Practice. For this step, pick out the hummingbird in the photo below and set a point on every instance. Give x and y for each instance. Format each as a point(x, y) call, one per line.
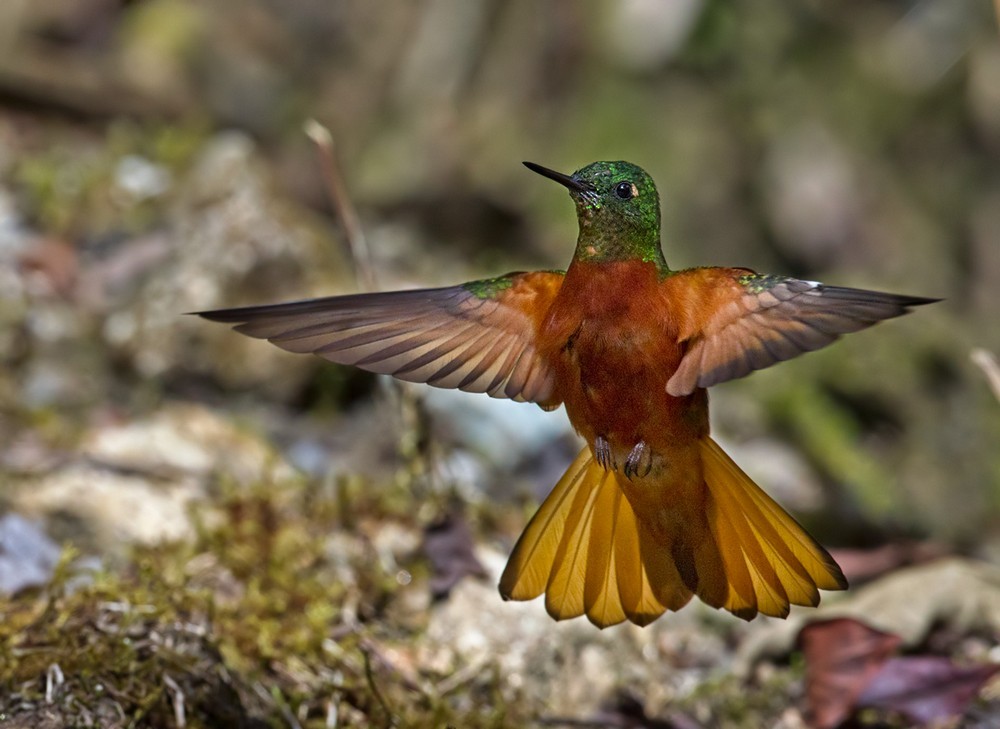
point(651, 512)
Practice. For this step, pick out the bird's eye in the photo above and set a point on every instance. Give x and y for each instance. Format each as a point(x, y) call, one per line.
point(626, 190)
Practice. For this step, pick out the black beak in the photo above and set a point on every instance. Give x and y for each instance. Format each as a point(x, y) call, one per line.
point(565, 180)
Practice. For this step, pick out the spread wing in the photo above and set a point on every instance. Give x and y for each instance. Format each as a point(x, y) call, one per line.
point(749, 321)
point(479, 336)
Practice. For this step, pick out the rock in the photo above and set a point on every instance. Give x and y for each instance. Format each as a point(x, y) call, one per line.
point(104, 510)
point(135, 482)
point(27, 555)
point(186, 440)
point(644, 35)
point(502, 448)
point(496, 429)
point(138, 179)
point(814, 197)
point(568, 668)
point(230, 243)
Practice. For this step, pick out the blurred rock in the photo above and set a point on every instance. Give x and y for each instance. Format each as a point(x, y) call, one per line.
point(27, 555)
point(103, 509)
point(47, 382)
point(499, 449)
point(813, 194)
point(644, 34)
point(13, 235)
point(568, 667)
point(134, 482)
point(186, 439)
point(227, 239)
point(141, 179)
point(502, 431)
point(14, 241)
point(231, 242)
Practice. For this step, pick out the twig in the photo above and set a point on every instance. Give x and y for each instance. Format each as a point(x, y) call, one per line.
point(460, 677)
point(414, 449)
point(371, 649)
point(333, 711)
point(341, 201)
point(278, 700)
point(177, 700)
point(987, 362)
point(54, 679)
point(370, 676)
point(414, 440)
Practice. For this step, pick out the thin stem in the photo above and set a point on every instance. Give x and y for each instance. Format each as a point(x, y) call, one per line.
point(342, 205)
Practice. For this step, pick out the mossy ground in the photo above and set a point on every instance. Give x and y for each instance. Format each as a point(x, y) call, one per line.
point(260, 620)
point(280, 612)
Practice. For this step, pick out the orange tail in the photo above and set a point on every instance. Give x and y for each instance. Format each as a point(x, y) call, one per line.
point(590, 553)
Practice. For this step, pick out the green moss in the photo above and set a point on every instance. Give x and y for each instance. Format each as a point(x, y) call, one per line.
point(729, 702)
point(69, 188)
point(273, 610)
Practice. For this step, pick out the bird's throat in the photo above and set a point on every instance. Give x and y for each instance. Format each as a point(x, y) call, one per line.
point(598, 244)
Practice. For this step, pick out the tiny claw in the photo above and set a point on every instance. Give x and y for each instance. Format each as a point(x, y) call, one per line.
point(639, 461)
point(602, 453)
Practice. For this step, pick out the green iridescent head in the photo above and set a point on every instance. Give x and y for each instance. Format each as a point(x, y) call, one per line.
point(618, 209)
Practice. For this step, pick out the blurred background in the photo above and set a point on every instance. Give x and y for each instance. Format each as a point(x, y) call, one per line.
point(153, 162)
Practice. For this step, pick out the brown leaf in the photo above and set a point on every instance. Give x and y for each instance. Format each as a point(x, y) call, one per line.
point(925, 689)
point(842, 656)
point(54, 264)
point(449, 546)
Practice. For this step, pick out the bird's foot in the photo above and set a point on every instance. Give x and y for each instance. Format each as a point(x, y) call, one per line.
point(639, 461)
point(602, 453)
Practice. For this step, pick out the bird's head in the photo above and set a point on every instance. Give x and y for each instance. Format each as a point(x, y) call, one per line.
point(618, 208)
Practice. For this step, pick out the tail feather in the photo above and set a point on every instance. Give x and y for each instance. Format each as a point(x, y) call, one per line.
point(660, 569)
point(564, 594)
point(779, 576)
point(530, 564)
point(732, 546)
point(802, 565)
point(633, 551)
point(601, 596)
point(728, 542)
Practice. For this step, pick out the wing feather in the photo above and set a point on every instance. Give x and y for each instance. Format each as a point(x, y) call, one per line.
point(478, 337)
point(741, 321)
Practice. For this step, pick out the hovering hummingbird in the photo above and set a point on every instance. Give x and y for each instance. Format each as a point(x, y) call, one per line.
point(652, 511)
